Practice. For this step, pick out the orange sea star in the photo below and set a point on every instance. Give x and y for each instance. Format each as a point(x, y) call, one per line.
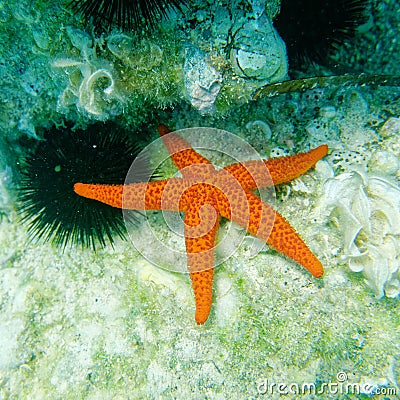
point(204, 195)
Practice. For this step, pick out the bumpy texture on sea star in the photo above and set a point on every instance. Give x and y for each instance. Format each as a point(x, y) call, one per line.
point(204, 195)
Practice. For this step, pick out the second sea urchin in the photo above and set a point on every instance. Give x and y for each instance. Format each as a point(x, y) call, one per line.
point(311, 29)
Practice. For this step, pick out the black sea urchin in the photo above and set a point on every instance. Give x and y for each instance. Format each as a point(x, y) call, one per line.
point(126, 14)
point(312, 28)
point(101, 154)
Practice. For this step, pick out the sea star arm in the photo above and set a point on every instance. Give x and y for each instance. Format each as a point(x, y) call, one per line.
point(263, 173)
point(201, 226)
point(262, 221)
point(285, 239)
point(155, 195)
point(191, 164)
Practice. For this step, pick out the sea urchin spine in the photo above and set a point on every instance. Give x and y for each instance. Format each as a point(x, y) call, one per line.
point(126, 14)
point(102, 153)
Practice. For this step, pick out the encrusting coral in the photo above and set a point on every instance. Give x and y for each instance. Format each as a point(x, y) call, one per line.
point(115, 72)
point(107, 74)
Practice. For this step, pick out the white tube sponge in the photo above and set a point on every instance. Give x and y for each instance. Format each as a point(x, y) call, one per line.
point(95, 89)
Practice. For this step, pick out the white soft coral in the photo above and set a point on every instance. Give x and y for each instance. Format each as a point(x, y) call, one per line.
point(366, 209)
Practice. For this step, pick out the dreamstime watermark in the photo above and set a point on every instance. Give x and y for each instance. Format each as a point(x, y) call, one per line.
point(342, 386)
point(222, 149)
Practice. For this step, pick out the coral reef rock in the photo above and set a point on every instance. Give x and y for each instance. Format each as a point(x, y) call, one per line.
point(258, 52)
point(202, 81)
